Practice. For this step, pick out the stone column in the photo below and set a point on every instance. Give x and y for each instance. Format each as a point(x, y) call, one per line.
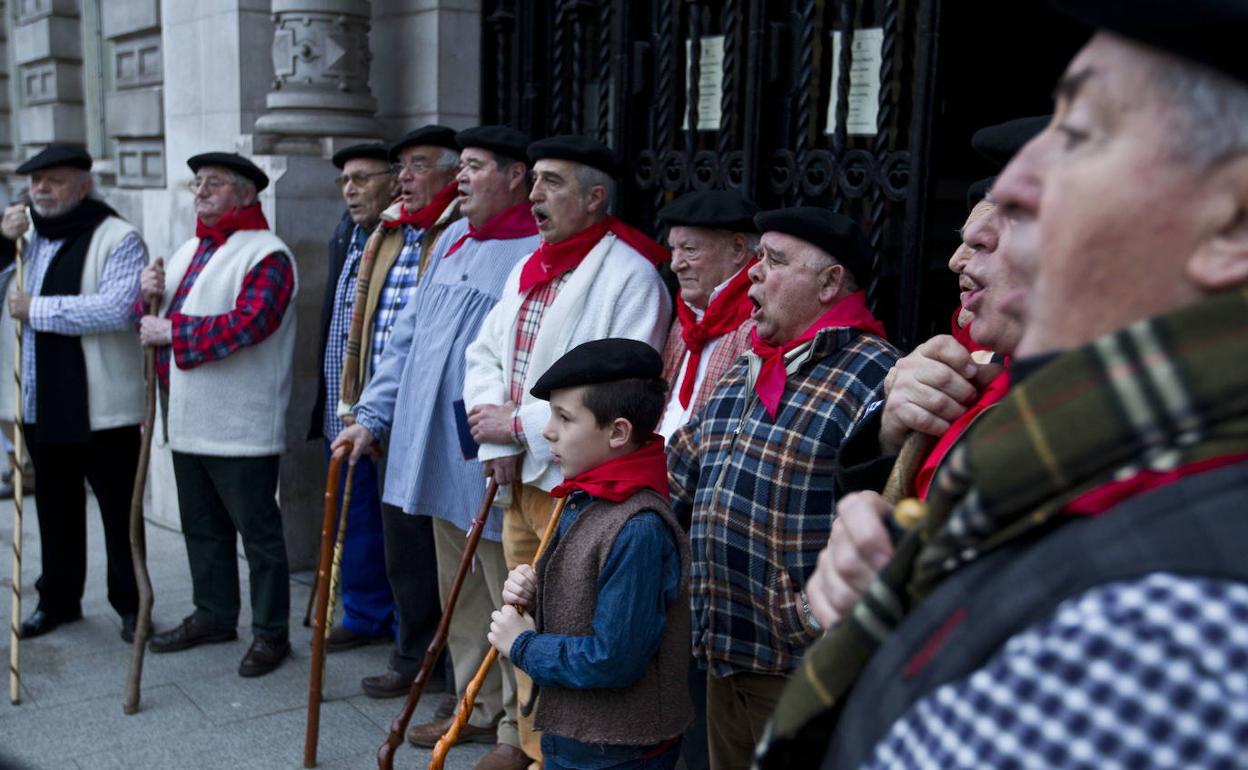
point(135, 108)
point(47, 48)
point(320, 85)
point(6, 104)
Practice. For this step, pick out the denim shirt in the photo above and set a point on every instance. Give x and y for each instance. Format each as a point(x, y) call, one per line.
point(638, 582)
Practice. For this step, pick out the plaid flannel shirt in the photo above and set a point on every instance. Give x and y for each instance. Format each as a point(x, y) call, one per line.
point(762, 496)
point(724, 352)
point(400, 281)
point(528, 321)
point(339, 328)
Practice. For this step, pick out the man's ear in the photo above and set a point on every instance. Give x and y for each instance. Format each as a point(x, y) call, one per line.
point(741, 252)
point(621, 433)
point(597, 200)
point(1221, 262)
point(517, 173)
point(831, 281)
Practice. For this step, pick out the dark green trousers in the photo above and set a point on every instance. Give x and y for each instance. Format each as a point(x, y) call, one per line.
point(221, 498)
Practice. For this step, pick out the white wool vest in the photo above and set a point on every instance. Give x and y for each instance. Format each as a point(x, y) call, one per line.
point(114, 360)
point(235, 406)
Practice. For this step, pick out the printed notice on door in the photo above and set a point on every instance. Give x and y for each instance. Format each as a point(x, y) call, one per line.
point(864, 82)
point(710, 82)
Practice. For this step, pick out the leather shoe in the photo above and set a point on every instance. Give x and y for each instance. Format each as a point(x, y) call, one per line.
point(129, 622)
point(504, 757)
point(265, 654)
point(427, 735)
point(341, 638)
point(391, 684)
point(190, 634)
point(41, 622)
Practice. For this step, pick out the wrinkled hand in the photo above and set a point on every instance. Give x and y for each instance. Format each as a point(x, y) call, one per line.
point(152, 281)
point(15, 222)
point(491, 423)
point(507, 624)
point(504, 470)
point(857, 550)
point(19, 305)
point(155, 332)
point(520, 588)
point(360, 439)
point(927, 390)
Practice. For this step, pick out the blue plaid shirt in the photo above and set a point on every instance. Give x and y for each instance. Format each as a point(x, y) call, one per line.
point(400, 281)
point(339, 327)
point(762, 495)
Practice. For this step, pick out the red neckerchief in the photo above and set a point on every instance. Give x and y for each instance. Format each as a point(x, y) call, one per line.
point(1096, 501)
point(730, 308)
point(963, 333)
point(514, 222)
point(619, 479)
point(552, 260)
point(246, 218)
point(996, 390)
point(427, 216)
point(850, 312)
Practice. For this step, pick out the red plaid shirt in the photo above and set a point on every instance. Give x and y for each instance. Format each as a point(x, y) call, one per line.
point(257, 313)
point(528, 321)
point(728, 348)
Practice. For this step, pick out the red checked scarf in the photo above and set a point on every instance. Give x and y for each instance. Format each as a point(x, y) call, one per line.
point(619, 479)
point(727, 311)
point(246, 218)
point(510, 223)
point(552, 260)
point(850, 312)
point(425, 217)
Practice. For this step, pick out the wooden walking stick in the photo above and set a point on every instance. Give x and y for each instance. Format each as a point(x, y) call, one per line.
point(470, 695)
point(323, 570)
point(335, 572)
point(15, 621)
point(385, 754)
point(138, 539)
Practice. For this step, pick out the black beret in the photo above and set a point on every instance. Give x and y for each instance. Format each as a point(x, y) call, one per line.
point(838, 235)
point(580, 149)
point(591, 363)
point(373, 150)
point(436, 136)
point(1210, 32)
point(716, 209)
point(999, 143)
point(73, 155)
point(234, 162)
point(503, 140)
point(978, 191)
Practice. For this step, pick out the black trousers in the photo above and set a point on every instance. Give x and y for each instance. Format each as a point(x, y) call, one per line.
point(219, 499)
point(413, 571)
point(108, 462)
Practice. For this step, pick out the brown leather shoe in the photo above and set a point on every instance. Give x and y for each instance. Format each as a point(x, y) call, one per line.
point(265, 654)
point(391, 684)
point(427, 735)
point(504, 757)
point(341, 638)
point(189, 634)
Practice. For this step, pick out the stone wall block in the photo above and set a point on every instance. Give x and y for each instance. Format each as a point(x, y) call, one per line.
point(30, 10)
point(52, 37)
point(140, 163)
point(51, 81)
point(137, 61)
point(44, 123)
point(136, 113)
point(124, 17)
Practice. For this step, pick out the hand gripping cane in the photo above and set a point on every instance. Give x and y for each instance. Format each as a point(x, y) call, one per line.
point(138, 539)
point(470, 695)
point(385, 754)
point(15, 622)
point(326, 580)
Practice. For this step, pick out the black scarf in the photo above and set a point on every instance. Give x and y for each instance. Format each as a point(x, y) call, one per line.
point(61, 415)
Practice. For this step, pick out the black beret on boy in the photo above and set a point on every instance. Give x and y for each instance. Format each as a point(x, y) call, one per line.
point(716, 209)
point(373, 150)
point(436, 136)
point(503, 140)
point(72, 155)
point(234, 162)
point(838, 235)
point(599, 361)
point(580, 149)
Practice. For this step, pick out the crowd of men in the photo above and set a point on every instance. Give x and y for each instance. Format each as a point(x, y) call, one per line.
point(1075, 595)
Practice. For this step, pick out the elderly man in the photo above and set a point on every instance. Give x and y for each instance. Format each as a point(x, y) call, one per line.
point(225, 343)
point(368, 185)
point(592, 277)
point(1079, 593)
point(413, 403)
point(426, 161)
point(755, 466)
point(82, 382)
point(713, 240)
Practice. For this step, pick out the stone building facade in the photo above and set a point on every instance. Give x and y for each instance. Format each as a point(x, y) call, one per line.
point(145, 84)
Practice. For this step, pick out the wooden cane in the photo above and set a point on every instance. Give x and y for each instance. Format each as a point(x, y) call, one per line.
point(385, 754)
point(317, 671)
point(470, 694)
point(15, 621)
point(138, 539)
point(335, 572)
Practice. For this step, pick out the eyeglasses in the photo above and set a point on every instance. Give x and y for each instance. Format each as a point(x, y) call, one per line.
point(359, 180)
point(415, 166)
point(211, 182)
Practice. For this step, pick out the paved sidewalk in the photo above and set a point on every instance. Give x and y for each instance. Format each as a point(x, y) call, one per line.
point(196, 712)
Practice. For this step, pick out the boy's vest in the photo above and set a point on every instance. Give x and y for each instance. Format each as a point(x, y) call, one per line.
point(654, 708)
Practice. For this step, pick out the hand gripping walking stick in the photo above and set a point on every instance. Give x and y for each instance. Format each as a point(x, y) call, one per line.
point(470, 695)
point(385, 754)
point(15, 621)
point(330, 557)
point(138, 539)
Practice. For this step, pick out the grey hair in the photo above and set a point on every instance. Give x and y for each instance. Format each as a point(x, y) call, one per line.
point(589, 177)
point(1211, 124)
point(752, 242)
point(448, 160)
point(246, 188)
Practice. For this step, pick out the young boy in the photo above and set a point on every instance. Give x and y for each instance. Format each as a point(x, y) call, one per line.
point(609, 641)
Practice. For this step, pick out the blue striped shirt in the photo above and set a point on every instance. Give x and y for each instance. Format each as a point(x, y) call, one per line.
point(339, 328)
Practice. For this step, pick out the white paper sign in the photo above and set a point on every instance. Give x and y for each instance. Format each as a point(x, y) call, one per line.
point(864, 82)
point(710, 82)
